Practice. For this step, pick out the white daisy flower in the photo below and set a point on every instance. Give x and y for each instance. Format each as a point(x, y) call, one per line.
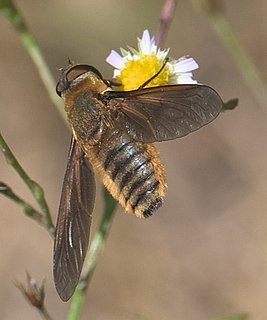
point(134, 67)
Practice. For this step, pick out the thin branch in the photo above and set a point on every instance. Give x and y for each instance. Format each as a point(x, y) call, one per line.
point(34, 187)
point(165, 21)
point(27, 208)
point(35, 295)
point(230, 40)
point(97, 245)
point(12, 14)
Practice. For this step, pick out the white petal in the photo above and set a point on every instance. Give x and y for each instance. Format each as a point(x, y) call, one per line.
point(186, 78)
point(185, 64)
point(146, 36)
point(146, 44)
point(115, 59)
point(162, 54)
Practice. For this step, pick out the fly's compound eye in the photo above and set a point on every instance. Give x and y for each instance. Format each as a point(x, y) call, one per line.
point(71, 73)
point(67, 76)
point(62, 85)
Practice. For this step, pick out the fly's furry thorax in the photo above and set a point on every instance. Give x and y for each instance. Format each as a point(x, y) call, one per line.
point(91, 85)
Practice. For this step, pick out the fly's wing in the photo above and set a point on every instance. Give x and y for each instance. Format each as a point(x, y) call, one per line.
point(73, 222)
point(164, 113)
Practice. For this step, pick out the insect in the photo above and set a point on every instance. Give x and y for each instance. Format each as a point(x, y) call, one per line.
point(113, 134)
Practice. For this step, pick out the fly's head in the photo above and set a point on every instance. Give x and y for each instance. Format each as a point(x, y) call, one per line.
point(78, 78)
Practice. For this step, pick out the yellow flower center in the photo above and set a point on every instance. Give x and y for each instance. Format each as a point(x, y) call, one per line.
point(137, 72)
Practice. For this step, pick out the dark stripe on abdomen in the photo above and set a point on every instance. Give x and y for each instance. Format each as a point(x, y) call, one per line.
point(121, 165)
point(153, 206)
point(129, 165)
point(137, 184)
point(129, 174)
point(141, 196)
point(113, 153)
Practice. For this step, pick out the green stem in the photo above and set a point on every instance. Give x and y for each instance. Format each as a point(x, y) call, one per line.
point(96, 247)
point(34, 187)
point(27, 208)
point(12, 14)
point(229, 39)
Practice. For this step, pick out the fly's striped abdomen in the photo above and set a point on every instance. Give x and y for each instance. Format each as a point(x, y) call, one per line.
point(132, 172)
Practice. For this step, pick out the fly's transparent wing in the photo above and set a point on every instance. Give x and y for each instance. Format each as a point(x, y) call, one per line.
point(164, 113)
point(73, 222)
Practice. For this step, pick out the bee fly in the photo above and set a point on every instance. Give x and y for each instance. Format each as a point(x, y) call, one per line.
point(113, 132)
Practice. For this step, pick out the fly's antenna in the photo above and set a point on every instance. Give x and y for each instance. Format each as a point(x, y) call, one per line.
point(70, 62)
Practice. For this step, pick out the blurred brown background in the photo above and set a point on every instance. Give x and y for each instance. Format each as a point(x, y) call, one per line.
point(203, 255)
